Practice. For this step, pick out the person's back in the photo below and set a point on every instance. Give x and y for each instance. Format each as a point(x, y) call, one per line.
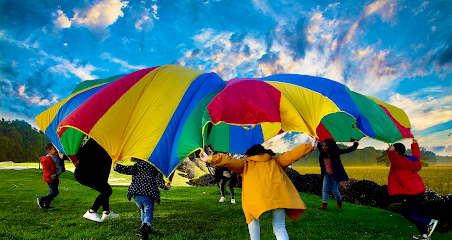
point(403, 180)
point(265, 185)
point(146, 181)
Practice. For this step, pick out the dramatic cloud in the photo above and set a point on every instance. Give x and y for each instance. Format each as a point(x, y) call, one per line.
point(381, 48)
point(424, 113)
point(97, 17)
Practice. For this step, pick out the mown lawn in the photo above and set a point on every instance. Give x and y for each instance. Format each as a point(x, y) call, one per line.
point(185, 213)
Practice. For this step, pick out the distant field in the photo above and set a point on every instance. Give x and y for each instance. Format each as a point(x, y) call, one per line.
point(438, 178)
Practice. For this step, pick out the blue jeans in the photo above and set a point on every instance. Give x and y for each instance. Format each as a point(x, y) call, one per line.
point(328, 181)
point(279, 226)
point(146, 205)
point(47, 199)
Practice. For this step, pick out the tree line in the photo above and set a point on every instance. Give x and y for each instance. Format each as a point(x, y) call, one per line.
point(368, 156)
point(20, 142)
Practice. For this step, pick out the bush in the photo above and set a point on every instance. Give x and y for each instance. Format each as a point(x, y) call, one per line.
point(361, 192)
point(309, 183)
point(369, 193)
point(205, 180)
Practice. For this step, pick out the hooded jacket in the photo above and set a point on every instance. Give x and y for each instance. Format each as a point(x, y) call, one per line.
point(403, 178)
point(265, 185)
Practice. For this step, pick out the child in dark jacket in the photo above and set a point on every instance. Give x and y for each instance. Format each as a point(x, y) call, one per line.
point(403, 180)
point(52, 166)
point(332, 170)
point(146, 180)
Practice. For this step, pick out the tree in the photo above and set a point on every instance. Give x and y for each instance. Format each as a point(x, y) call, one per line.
point(21, 142)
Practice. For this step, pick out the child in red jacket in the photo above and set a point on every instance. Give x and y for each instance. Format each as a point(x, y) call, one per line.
point(53, 166)
point(403, 180)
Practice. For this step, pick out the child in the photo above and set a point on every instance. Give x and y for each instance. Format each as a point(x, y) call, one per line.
point(146, 180)
point(265, 185)
point(52, 166)
point(332, 171)
point(404, 180)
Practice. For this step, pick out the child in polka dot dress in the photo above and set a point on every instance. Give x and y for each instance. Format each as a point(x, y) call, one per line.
point(146, 180)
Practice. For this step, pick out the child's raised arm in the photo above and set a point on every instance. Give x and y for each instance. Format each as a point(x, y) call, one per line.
point(128, 170)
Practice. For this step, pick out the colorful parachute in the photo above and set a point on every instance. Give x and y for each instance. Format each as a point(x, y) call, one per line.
point(165, 113)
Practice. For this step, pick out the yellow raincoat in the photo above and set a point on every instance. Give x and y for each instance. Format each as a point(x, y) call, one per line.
point(265, 185)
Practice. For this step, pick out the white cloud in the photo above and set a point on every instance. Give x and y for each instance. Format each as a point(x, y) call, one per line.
point(154, 11)
point(97, 17)
point(424, 113)
point(279, 144)
point(440, 138)
point(144, 16)
point(361, 54)
point(21, 90)
point(62, 21)
point(421, 8)
point(64, 67)
point(125, 67)
point(34, 100)
point(376, 6)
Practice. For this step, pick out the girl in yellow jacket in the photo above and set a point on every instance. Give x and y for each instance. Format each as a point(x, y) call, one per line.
point(265, 185)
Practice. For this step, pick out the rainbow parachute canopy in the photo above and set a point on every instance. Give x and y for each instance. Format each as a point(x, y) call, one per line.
point(163, 114)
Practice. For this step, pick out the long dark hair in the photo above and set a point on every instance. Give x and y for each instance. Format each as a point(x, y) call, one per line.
point(333, 149)
point(257, 150)
point(400, 148)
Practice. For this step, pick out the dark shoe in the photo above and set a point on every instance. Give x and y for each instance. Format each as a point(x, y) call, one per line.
point(339, 205)
point(40, 203)
point(145, 229)
point(324, 206)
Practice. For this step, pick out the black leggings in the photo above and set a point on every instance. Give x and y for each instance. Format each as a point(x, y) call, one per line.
point(412, 212)
point(93, 171)
point(100, 185)
point(232, 182)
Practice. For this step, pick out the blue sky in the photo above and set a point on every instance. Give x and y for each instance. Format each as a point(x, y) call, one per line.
point(397, 51)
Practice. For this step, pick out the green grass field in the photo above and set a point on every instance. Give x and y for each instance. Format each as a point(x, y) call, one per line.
point(438, 178)
point(185, 213)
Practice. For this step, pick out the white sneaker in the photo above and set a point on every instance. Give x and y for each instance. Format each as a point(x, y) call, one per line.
point(222, 199)
point(110, 215)
point(233, 201)
point(92, 216)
